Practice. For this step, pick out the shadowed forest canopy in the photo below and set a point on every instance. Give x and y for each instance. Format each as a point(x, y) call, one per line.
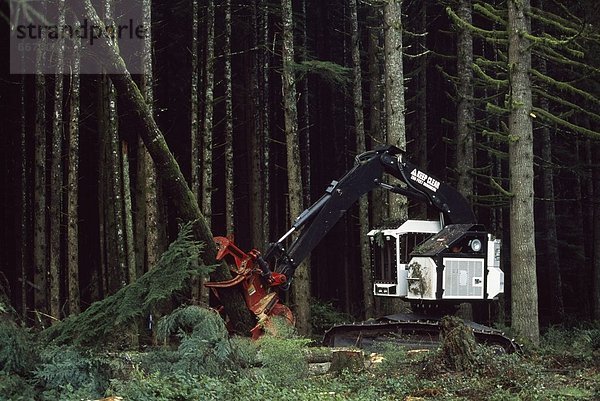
point(85, 215)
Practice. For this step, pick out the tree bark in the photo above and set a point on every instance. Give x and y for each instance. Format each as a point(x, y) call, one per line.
point(56, 175)
point(301, 289)
point(130, 256)
point(207, 140)
point(175, 186)
point(423, 133)
point(523, 252)
point(376, 128)
point(258, 138)
point(465, 115)
point(552, 295)
point(196, 162)
point(396, 205)
point(229, 176)
point(25, 198)
point(73, 188)
point(40, 228)
point(151, 221)
point(465, 112)
point(596, 233)
point(394, 96)
point(359, 127)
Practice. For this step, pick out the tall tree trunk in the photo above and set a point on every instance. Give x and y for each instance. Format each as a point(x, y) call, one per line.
point(259, 203)
point(305, 113)
point(266, 113)
point(207, 142)
point(195, 103)
point(465, 112)
point(422, 139)
point(102, 191)
point(174, 183)
point(229, 180)
point(73, 187)
point(40, 228)
point(376, 129)
point(465, 115)
point(523, 253)
point(396, 205)
point(552, 294)
point(150, 221)
point(596, 233)
point(359, 127)
point(301, 290)
point(394, 95)
point(578, 257)
point(131, 273)
point(116, 182)
point(24, 234)
point(56, 175)
point(196, 143)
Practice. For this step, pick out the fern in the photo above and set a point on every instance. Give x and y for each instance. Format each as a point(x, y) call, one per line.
point(205, 347)
point(69, 371)
point(103, 320)
point(17, 351)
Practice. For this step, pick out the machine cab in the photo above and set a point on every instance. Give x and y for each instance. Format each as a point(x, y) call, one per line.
point(422, 260)
point(390, 254)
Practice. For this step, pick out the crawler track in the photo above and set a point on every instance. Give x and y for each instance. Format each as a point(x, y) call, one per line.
point(411, 331)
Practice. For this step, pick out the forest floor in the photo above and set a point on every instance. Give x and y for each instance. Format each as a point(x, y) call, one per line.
point(204, 364)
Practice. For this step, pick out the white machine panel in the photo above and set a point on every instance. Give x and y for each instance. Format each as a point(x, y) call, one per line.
point(422, 279)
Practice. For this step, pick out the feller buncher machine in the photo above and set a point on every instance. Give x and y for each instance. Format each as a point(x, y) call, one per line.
point(434, 265)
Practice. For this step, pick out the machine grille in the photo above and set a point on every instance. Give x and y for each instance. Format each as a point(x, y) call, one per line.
point(463, 278)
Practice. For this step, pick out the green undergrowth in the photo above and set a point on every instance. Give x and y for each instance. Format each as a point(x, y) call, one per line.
point(197, 360)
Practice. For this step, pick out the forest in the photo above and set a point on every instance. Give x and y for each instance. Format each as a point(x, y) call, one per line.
point(127, 147)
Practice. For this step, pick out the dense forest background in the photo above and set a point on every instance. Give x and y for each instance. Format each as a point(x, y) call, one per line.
point(83, 212)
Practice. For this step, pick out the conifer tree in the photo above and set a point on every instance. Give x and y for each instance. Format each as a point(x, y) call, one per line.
point(394, 95)
point(301, 289)
point(56, 175)
point(523, 254)
point(359, 127)
point(73, 185)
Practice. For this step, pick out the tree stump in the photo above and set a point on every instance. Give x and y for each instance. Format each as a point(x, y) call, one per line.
point(458, 344)
point(347, 359)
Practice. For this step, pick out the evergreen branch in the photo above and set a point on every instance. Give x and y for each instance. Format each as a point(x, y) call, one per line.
point(493, 151)
point(500, 188)
point(491, 97)
point(495, 136)
point(559, 121)
point(564, 86)
point(552, 55)
point(488, 79)
point(104, 321)
point(495, 109)
point(548, 40)
point(484, 33)
point(328, 70)
point(566, 103)
point(491, 13)
point(483, 62)
point(555, 21)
